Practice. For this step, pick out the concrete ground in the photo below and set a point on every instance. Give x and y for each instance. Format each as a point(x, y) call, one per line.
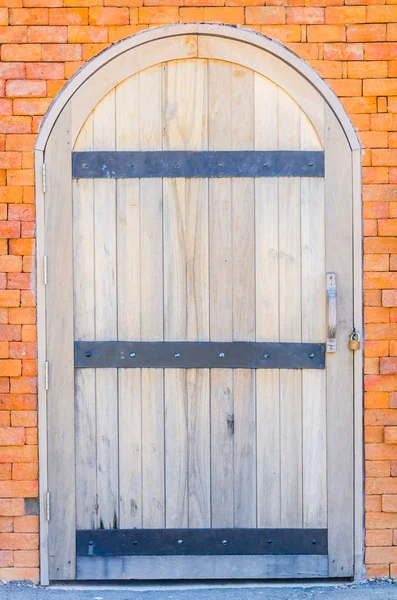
point(252, 591)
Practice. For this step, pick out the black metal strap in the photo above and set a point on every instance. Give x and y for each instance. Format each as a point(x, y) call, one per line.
point(182, 542)
point(179, 163)
point(186, 355)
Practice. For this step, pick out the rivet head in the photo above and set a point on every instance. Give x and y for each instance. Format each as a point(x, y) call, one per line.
point(311, 355)
point(269, 541)
point(90, 543)
point(265, 164)
point(314, 542)
point(221, 163)
point(221, 355)
point(130, 164)
point(176, 165)
point(135, 542)
point(180, 542)
point(224, 542)
point(310, 164)
point(177, 354)
point(266, 355)
point(132, 354)
point(87, 354)
point(85, 166)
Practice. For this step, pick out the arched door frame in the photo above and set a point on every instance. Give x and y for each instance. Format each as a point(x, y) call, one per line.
point(86, 88)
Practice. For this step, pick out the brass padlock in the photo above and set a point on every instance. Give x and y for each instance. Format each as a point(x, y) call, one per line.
point(354, 340)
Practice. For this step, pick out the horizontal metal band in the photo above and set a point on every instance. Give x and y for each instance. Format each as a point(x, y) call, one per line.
point(204, 542)
point(199, 355)
point(180, 163)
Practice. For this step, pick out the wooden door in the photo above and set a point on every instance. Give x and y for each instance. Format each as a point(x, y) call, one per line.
point(200, 238)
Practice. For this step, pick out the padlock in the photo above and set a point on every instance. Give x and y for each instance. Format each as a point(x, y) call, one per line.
point(354, 340)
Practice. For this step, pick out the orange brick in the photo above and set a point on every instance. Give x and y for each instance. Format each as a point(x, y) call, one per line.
point(19, 573)
point(379, 383)
point(18, 402)
point(13, 35)
point(68, 16)
point(27, 385)
point(373, 503)
point(271, 15)
point(6, 558)
point(328, 69)
point(360, 105)
point(45, 71)
point(47, 34)
point(31, 435)
point(283, 33)
point(25, 471)
point(305, 15)
point(375, 139)
point(78, 34)
point(161, 14)
point(345, 14)
point(391, 432)
point(346, 87)
point(380, 51)
point(375, 174)
point(384, 87)
point(5, 472)
point(12, 436)
point(374, 571)
point(31, 106)
point(371, 366)
point(376, 314)
point(29, 16)
point(376, 262)
point(381, 555)
point(109, 16)
point(10, 298)
point(381, 485)
point(22, 316)
point(383, 537)
point(326, 33)
point(6, 524)
point(381, 14)
point(61, 52)
point(371, 399)
point(343, 52)
point(21, 52)
point(19, 541)
point(26, 524)
point(391, 33)
point(373, 434)
point(10, 264)
point(11, 507)
point(366, 33)
point(26, 558)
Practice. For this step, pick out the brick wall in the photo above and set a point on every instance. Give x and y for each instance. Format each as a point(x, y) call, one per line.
point(352, 45)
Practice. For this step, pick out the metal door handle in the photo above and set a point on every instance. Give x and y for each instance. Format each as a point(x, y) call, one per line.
point(332, 312)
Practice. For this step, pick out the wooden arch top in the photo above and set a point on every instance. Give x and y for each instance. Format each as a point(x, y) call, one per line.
point(253, 50)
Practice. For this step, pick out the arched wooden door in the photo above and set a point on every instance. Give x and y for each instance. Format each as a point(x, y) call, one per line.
point(198, 220)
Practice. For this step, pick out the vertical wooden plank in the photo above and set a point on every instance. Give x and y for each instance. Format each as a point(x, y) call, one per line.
point(60, 337)
point(175, 300)
point(197, 283)
point(243, 234)
point(129, 309)
point(106, 321)
point(84, 329)
point(151, 226)
point(338, 215)
point(314, 402)
point(290, 320)
point(221, 298)
point(267, 309)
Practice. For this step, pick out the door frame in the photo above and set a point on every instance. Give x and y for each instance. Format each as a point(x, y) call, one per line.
point(306, 82)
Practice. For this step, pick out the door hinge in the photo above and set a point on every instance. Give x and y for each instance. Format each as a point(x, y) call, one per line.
point(47, 505)
point(45, 270)
point(44, 180)
point(46, 371)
